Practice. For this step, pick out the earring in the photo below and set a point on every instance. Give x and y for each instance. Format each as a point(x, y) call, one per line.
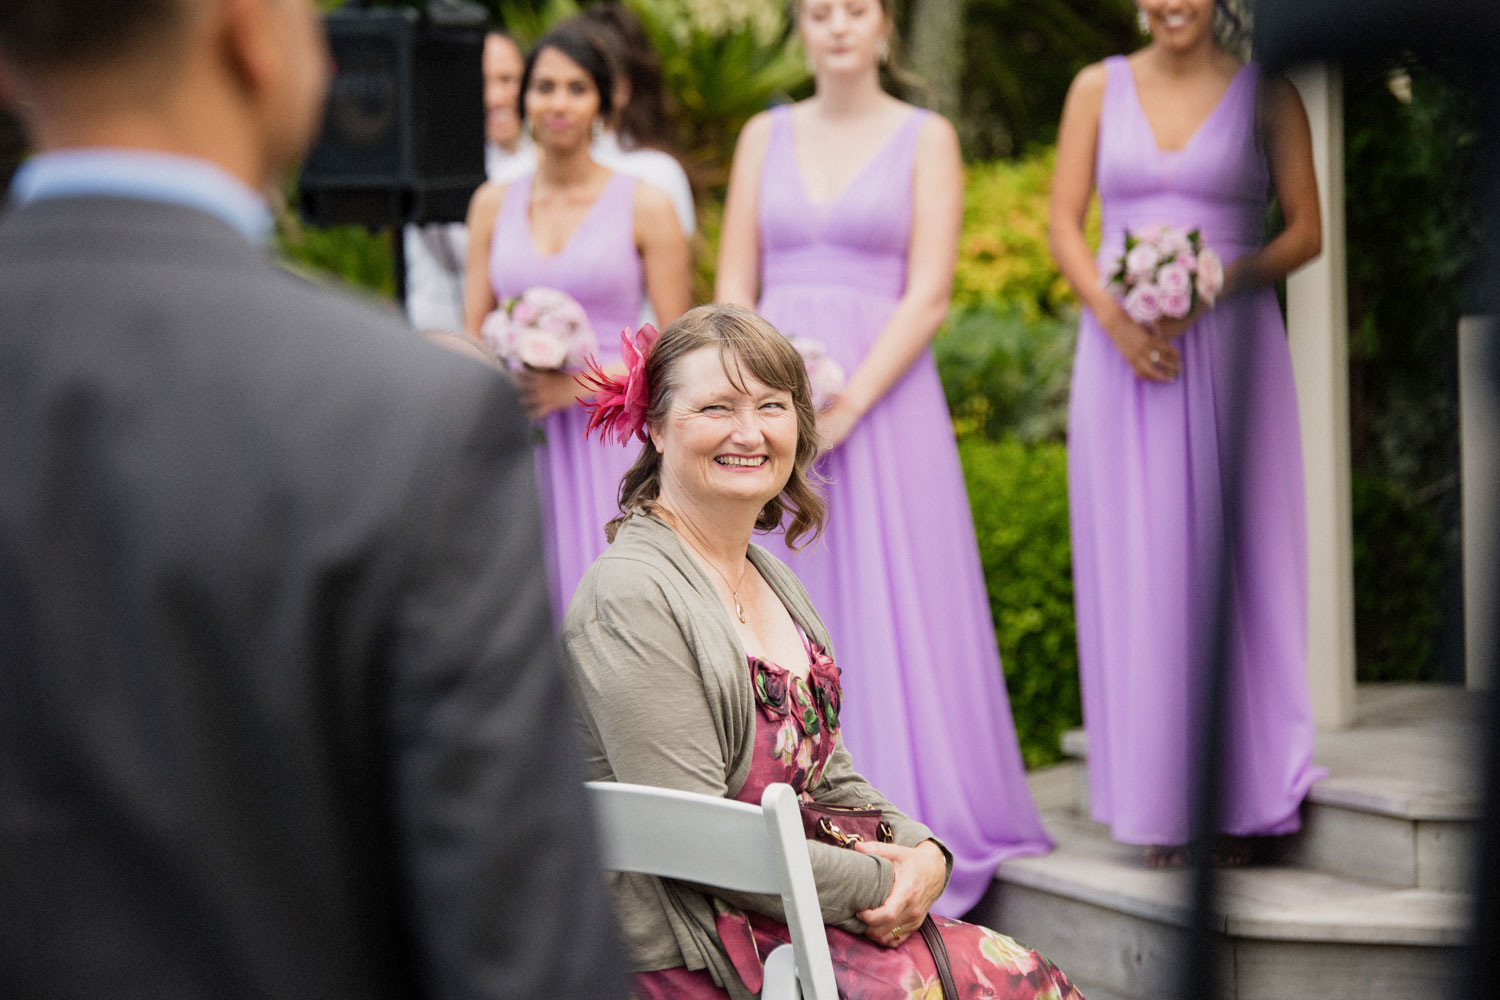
point(597, 129)
point(1143, 21)
point(884, 51)
point(529, 127)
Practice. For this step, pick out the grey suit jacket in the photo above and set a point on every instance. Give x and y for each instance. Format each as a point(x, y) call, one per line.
point(280, 709)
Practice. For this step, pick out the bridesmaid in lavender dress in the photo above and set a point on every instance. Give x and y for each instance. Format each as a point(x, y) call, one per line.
point(843, 214)
point(576, 226)
point(1182, 133)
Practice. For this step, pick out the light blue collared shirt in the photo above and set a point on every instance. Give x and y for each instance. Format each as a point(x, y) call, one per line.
point(150, 176)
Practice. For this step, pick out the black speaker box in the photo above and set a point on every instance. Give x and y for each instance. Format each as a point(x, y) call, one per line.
point(403, 129)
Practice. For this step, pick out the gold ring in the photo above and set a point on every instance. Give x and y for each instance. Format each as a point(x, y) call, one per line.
point(896, 932)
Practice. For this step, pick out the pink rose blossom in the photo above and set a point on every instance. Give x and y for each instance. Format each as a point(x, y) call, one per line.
point(1176, 304)
point(1173, 241)
point(1210, 275)
point(498, 333)
point(825, 376)
point(1143, 303)
point(1174, 279)
point(541, 328)
point(1141, 259)
point(538, 349)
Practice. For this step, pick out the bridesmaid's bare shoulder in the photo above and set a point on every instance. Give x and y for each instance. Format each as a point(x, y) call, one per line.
point(1086, 92)
point(484, 205)
point(1277, 94)
point(937, 136)
point(754, 137)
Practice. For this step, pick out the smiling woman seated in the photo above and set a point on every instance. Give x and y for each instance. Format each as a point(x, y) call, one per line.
point(701, 665)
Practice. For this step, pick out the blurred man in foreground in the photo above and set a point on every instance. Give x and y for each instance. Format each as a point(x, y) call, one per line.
point(279, 709)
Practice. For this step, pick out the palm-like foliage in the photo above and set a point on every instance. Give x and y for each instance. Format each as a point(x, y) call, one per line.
point(1020, 56)
point(723, 63)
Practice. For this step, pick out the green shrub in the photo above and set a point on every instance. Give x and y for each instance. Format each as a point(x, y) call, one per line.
point(1020, 501)
point(1397, 566)
point(345, 255)
point(1003, 258)
point(1004, 376)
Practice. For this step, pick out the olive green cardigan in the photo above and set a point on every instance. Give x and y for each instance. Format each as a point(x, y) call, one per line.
point(663, 687)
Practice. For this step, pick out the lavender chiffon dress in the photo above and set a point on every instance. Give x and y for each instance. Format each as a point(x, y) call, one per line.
point(896, 575)
point(579, 479)
point(1155, 506)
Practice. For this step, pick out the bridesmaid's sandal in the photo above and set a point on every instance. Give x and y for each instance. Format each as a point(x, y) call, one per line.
point(1166, 856)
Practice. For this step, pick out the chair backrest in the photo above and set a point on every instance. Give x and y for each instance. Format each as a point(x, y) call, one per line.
point(723, 843)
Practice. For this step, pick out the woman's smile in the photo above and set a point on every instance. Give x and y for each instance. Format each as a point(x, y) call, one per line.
point(742, 461)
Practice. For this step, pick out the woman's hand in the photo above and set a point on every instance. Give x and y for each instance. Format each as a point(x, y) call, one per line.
point(835, 424)
point(543, 393)
point(1168, 328)
point(1152, 356)
point(921, 872)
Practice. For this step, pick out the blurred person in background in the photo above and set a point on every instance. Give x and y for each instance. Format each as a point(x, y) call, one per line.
point(1183, 134)
point(842, 224)
point(602, 237)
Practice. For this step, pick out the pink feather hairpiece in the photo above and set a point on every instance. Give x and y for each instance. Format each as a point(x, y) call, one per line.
point(618, 409)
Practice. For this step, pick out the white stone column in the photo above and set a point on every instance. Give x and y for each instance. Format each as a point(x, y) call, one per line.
point(1318, 328)
point(1479, 444)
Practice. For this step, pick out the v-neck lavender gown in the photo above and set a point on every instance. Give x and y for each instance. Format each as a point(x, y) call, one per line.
point(896, 575)
point(579, 479)
point(1149, 494)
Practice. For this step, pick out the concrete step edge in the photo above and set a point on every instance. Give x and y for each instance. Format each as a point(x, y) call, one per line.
point(1261, 902)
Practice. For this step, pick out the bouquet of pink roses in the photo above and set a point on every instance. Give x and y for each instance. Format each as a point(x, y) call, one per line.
point(541, 328)
point(1165, 271)
point(824, 375)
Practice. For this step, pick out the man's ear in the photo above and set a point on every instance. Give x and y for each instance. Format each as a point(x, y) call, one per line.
point(245, 32)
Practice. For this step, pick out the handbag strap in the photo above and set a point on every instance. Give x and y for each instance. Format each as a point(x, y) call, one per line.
point(934, 939)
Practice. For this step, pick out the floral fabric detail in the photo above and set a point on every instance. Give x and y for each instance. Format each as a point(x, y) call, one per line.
point(986, 966)
point(800, 721)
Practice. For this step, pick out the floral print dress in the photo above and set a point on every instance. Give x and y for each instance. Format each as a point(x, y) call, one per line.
point(796, 730)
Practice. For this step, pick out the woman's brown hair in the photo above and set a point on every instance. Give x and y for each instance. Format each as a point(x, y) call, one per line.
point(748, 347)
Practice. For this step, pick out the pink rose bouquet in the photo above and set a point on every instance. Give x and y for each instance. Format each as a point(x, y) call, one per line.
point(542, 328)
point(1165, 271)
point(824, 375)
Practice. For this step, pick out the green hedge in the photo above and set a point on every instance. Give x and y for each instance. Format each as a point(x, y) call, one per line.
point(1005, 376)
point(1022, 527)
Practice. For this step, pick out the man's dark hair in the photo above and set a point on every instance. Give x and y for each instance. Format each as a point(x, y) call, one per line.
point(49, 34)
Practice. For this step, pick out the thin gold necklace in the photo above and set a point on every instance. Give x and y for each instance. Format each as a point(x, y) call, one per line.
point(739, 609)
point(734, 591)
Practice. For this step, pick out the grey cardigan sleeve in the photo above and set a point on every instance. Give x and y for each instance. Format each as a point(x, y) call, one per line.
point(842, 786)
point(656, 721)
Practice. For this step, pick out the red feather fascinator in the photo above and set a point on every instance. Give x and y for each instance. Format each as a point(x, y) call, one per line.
point(618, 409)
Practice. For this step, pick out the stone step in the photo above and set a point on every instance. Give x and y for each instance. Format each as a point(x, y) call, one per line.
point(1094, 909)
point(1400, 806)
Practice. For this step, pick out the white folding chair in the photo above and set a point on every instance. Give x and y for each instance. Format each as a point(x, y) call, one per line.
point(730, 845)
